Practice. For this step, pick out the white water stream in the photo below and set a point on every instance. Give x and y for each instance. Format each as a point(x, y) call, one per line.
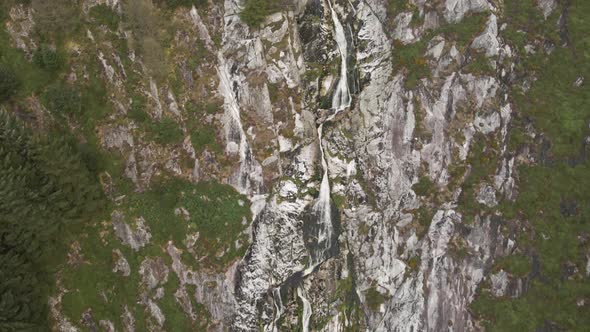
point(340, 101)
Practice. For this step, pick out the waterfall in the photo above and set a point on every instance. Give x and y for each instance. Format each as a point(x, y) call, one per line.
point(323, 209)
point(341, 98)
point(340, 101)
point(276, 294)
point(306, 310)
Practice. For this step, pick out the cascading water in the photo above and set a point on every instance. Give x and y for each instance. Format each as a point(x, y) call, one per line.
point(340, 101)
point(341, 98)
point(276, 294)
point(306, 309)
point(323, 209)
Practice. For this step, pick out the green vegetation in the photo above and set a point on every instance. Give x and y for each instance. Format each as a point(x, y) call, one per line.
point(47, 58)
point(165, 131)
point(412, 57)
point(103, 14)
point(45, 189)
point(56, 18)
point(479, 65)
point(518, 265)
point(552, 197)
point(214, 210)
point(483, 161)
point(141, 18)
point(255, 11)
point(62, 98)
point(137, 112)
point(204, 137)
point(424, 187)
point(9, 83)
point(558, 108)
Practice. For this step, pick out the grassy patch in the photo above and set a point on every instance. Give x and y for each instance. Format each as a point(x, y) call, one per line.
point(216, 212)
point(255, 11)
point(424, 187)
point(518, 265)
point(104, 15)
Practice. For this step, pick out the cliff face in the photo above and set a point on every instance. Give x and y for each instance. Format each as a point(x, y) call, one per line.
point(402, 275)
point(370, 140)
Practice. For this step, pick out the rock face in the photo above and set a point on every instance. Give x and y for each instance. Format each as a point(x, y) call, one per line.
point(355, 166)
point(373, 154)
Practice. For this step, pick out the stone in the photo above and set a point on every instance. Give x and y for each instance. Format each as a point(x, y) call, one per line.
point(120, 263)
point(135, 237)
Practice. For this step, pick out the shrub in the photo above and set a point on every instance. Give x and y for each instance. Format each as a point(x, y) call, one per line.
point(137, 112)
point(9, 83)
point(166, 131)
point(63, 98)
point(47, 58)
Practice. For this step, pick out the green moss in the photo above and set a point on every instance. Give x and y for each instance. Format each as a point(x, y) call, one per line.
point(32, 78)
point(411, 57)
point(255, 11)
point(374, 299)
point(339, 201)
point(557, 107)
point(216, 212)
point(205, 137)
point(424, 187)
